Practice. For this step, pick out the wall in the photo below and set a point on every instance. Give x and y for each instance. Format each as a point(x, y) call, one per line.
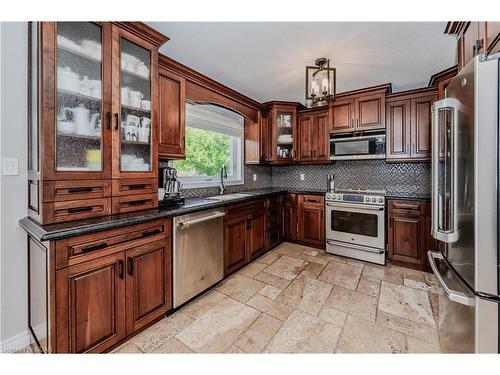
point(408, 178)
point(13, 197)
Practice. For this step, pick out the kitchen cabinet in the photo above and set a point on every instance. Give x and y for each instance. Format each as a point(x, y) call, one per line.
point(313, 136)
point(289, 217)
point(361, 110)
point(311, 223)
point(274, 235)
point(408, 233)
point(284, 134)
point(408, 126)
point(172, 116)
point(102, 287)
point(93, 113)
point(265, 144)
point(256, 234)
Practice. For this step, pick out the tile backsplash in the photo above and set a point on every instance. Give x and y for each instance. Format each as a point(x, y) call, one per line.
point(401, 178)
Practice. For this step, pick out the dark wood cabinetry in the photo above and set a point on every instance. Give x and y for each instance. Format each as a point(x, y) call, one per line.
point(313, 136)
point(359, 110)
point(408, 233)
point(408, 117)
point(172, 116)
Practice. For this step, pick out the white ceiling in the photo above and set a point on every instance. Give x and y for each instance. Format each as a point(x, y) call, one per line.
point(266, 60)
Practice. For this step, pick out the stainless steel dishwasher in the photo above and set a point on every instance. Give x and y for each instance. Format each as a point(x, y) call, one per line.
point(198, 253)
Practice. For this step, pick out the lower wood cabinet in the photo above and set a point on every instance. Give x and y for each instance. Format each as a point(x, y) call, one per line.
point(312, 220)
point(235, 243)
point(289, 218)
point(119, 283)
point(408, 233)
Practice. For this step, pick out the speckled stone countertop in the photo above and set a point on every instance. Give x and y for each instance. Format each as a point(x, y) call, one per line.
point(79, 227)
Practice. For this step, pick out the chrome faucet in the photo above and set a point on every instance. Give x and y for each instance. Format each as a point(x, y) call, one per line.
point(223, 175)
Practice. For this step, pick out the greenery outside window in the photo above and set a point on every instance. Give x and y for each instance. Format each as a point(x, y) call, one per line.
point(214, 136)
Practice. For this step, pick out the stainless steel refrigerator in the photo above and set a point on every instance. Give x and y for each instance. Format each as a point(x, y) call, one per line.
point(465, 208)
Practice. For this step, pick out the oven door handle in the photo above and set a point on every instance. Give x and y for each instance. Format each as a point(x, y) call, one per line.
point(355, 246)
point(357, 206)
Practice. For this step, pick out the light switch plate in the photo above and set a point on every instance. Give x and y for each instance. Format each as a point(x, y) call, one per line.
point(302, 177)
point(254, 177)
point(10, 166)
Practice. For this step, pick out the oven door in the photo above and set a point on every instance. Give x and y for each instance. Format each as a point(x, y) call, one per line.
point(355, 223)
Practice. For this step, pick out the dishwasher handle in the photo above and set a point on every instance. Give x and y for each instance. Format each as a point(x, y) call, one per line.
point(187, 224)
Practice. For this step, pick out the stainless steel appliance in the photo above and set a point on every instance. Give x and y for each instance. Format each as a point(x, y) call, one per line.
point(167, 179)
point(198, 253)
point(355, 224)
point(364, 145)
point(465, 208)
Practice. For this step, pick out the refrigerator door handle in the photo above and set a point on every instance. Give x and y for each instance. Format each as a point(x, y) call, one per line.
point(453, 295)
point(450, 235)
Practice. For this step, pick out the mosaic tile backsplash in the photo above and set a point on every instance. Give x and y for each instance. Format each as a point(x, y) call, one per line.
point(408, 178)
point(411, 178)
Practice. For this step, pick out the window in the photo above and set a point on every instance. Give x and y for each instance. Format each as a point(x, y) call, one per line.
point(214, 136)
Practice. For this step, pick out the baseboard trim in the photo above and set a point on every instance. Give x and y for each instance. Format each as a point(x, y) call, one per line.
point(15, 343)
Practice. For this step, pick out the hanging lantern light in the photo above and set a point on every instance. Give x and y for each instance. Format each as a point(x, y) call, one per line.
point(320, 81)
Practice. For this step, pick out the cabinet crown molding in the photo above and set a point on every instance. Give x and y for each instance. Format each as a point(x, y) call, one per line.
point(144, 32)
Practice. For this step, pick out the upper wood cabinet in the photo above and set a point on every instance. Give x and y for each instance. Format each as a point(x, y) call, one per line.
point(359, 110)
point(313, 136)
point(409, 125)
point(265, 144)
point(284, 134)
point(172, 116)
point(95, 84)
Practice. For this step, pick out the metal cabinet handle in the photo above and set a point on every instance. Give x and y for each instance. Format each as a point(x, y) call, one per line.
point(116, 121)
point(120, 269)
point(94, 247)
point(130, 265)
point(453, 295)
point(108, 120)
point(187, 224)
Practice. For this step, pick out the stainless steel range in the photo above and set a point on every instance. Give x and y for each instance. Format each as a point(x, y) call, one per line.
point(355, 224)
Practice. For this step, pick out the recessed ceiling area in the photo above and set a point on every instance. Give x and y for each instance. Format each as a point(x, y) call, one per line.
point(266, 60)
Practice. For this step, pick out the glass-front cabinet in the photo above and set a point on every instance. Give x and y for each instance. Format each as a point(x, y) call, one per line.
point(284, 131)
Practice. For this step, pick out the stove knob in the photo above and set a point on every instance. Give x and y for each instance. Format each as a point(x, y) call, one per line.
point(367, 199)
point(380, 200)
point(339, 197)
point(374, 200)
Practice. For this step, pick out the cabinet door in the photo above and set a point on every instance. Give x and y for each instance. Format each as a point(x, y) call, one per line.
point(256, 235)
point(306, 141)
point(290, 222)
point(265, 137)
point(75, 100)
point(421, 127)
point(398, 130)
point(342, 116)
point(135, 102)
point(370, 112)
point(234, 243)
point(312, 224)
point(406, 239)
point(284, 134)
point(321, 137)
point(172, 116)
point(91, 305)
point(149, 283)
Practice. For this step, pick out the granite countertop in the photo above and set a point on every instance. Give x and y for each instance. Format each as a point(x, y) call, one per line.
point(79, 227)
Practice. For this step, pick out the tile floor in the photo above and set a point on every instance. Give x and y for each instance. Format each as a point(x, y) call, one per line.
point(296, 299)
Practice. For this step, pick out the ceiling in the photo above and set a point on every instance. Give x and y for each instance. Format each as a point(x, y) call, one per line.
point(266, 60)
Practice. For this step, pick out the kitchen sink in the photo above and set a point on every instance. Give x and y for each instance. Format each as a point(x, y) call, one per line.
point(229, 197)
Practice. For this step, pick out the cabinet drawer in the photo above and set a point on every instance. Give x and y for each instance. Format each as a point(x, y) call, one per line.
point(137, 202)
point(245, 208)
point(79, 249)
point(56, 212)
point(134, 186)
point(59, 191)
point(406, 207)
point(316, 200)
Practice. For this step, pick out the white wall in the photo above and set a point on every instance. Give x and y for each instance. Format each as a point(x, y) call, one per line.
point(13, 192)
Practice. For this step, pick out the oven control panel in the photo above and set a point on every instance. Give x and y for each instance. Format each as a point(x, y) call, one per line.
point(356, 198)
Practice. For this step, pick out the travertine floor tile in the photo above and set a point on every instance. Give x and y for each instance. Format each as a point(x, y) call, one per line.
point(216, 330)
point(234, 350)
point(310, 252)
point(240, 287)
point(405, 302)
point(128, 348)
point(271, 307)
point(430, 278)
point(159, 333)
point(341, 274)
point(320, 259)
point(408, 327)
point(386, 273)
point(303, 333)
point(306, 294)
point(419, 346)
point(361, 336)
point(353, 303)
point(276, 281)
point(173, 345)
point(286, 267)
point(258, 335)
point(253, 269)
point(268, 258)
point(270, 291)
point(432, 288)
point(313, 270)
point(334, 316)
point(289, 249)
point(204, 303)
point(434, 300)
point(369, 286)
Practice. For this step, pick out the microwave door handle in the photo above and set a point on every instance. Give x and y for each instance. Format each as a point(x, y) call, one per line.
point(437, 201)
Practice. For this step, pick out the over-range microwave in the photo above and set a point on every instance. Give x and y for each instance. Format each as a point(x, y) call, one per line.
point(358, 146)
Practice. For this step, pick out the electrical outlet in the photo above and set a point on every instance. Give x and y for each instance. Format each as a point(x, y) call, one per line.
point(302, 177)
point(255, 177)
point(10, 166)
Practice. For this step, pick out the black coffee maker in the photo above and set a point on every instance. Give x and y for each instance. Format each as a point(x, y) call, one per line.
point(167, 179)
